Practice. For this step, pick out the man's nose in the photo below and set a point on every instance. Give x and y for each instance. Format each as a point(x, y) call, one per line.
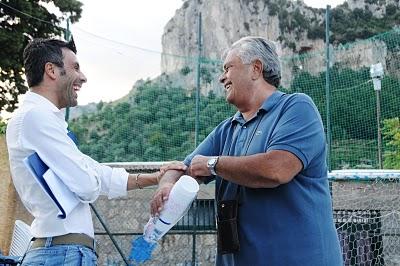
point(83, 78)
point(222, 78)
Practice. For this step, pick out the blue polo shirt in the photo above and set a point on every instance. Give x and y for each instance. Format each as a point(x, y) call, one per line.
point(291, 224)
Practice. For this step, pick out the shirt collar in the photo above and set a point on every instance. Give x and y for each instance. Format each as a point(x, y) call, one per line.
point(37, 99)
point(267, 105)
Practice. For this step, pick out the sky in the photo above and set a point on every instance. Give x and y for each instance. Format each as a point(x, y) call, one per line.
point(112, 68)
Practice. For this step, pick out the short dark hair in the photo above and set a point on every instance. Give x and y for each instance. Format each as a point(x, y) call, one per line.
point(41, 51)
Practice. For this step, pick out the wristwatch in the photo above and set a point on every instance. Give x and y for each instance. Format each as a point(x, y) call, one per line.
point(211, 163)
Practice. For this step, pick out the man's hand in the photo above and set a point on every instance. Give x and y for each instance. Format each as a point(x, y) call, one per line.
point(174, 165)
point(172, 172)
point(198, 168)
point(159, 198)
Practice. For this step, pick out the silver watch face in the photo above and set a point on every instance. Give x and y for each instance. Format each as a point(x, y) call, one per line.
point(211, 162)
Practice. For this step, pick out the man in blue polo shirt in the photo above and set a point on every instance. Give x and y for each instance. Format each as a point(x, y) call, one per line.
point(269, 162)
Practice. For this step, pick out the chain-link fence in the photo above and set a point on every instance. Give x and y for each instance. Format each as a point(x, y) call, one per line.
point(365, 207)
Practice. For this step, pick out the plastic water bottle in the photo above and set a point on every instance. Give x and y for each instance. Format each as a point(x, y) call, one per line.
point(180, 198)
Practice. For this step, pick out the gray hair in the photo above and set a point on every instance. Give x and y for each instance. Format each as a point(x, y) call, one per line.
point(252, 48)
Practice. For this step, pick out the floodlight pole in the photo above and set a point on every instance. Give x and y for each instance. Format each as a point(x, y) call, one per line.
point(376, 72)
point(377, 88)
point(67, 38)
point(328, 91)
point(197, 125)
point(378, 120)
point(198, 73)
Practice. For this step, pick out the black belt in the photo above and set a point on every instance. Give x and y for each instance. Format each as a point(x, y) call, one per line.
point(68, 239)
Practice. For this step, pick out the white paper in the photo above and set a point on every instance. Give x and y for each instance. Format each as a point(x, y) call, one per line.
point(66, 198)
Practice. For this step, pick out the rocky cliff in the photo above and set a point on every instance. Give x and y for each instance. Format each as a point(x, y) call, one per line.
point(226, 21)
point(295, 27)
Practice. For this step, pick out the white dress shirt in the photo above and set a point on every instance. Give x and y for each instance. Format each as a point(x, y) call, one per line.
point(39, 126)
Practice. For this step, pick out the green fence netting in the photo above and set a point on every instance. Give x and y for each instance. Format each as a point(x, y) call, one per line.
point(157, 120)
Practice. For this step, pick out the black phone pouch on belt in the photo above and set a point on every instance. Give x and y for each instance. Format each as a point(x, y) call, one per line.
point(227, 231)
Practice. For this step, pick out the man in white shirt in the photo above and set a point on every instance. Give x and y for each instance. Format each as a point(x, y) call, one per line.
point(54, 77)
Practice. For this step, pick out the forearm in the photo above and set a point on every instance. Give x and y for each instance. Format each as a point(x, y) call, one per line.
point(246, 171)
point(263, 170)
point(136, 181)
point(171, 176)
point(164, 188)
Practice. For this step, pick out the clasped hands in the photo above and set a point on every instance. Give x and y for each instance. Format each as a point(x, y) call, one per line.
point(198, 169)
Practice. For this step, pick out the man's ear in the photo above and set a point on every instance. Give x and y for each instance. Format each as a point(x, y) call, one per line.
point(50, 70)
point(257, 69)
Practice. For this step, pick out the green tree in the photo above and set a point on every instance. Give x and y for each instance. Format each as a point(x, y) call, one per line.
point(3, 127)
point(20, 21)
point(157, 126)
point(391, 134)
point(349, 25)
point(352, 95)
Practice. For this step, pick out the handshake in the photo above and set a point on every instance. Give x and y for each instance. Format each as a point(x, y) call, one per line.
point(201, 168)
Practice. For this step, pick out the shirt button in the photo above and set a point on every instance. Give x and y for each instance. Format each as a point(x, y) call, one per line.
point(244, 126)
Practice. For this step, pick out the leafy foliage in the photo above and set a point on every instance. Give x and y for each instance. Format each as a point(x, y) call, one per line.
point(353, 112)
point(353, 109)
point(349, 25)
point(185, 70)
point(157, 126)
point(345, 25)
point(16, 29)
point(391, 133)
point(273, 9)
point(3, 127)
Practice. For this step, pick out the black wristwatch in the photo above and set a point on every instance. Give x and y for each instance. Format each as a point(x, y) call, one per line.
point(211, 163)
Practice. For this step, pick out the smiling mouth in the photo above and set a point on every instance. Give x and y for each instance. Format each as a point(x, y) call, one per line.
point(228, 85)
point(76, 87)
